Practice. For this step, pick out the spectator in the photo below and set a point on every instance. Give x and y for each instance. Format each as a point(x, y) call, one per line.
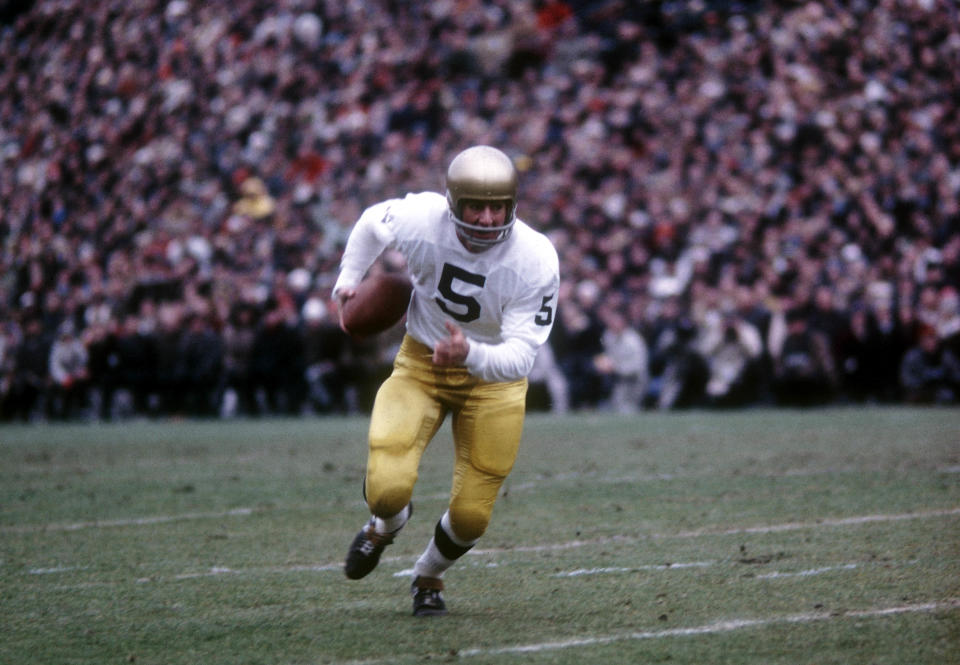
point(102, 342)
point(732, 347)
point(169, 376)
point(890, 340)
point(6, 369)
point(678, 372)
point(930, 373)
point(239, 334)
point(365, 365)
point(576, 340)
point(201, 371)
point(803, 370)
point(548, 386)
point(31, 373)
point(859, 362)
point(69, 374)
point(827, 314)
point(277, 362)
point(138, 364)
point(625, 361)
point(325, 351)
point(948, 321)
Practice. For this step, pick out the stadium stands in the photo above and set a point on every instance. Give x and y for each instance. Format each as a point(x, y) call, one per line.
point(177, 180)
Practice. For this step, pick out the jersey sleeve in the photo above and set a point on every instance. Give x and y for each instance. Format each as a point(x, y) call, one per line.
point(368, 238)
point(527, 322)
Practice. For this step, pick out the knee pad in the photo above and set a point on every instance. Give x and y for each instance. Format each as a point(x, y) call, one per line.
point(468, 521)
point(386, 500)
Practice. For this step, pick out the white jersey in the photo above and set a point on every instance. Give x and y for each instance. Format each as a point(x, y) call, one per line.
point(504, 298)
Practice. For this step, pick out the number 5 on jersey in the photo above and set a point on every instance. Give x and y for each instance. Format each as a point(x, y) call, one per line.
point(465, 308)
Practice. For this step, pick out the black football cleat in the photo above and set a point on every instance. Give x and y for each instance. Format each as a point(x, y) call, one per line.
point(427, 600)
point(365, 551)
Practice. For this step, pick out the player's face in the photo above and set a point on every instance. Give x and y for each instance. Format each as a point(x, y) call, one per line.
point(488, 214)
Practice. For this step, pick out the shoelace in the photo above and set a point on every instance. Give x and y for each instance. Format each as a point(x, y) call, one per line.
point(374, 541)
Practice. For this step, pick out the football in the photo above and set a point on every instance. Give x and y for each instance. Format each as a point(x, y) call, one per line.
point(380, 302)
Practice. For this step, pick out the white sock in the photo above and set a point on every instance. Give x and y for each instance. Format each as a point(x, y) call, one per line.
point(431, 563)
point(393, 524)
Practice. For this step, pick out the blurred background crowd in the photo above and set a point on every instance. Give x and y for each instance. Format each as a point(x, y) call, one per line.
point(753, 202)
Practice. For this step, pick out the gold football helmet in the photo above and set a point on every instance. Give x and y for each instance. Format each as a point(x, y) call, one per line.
point(481, 173)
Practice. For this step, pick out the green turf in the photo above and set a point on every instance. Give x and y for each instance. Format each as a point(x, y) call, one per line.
point(756, 537)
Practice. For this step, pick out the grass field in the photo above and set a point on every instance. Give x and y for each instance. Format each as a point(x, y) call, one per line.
point(783, 537)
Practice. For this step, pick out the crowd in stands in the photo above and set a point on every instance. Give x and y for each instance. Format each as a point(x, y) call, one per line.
point(753, 202)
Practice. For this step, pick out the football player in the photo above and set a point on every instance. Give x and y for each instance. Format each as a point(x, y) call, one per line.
point(484, 300)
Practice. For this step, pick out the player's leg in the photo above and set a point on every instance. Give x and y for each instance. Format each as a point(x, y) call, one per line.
point(487, 433)
point(404, 419)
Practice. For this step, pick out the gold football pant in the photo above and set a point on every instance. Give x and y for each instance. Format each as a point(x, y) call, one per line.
point(487, 421)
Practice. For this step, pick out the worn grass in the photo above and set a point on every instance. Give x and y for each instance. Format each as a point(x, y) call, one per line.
point(826, 536)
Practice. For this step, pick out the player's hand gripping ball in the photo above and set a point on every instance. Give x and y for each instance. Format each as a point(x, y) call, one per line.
point(378, 303)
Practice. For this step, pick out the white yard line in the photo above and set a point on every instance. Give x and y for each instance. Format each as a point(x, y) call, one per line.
point(810, 572)
point(709, 629)
point(777, 574)
point(825, 521)
point(580, 572)
point(220, 571)
point(56, 569)
point(722, 626)
point(243, 512)
point(131, 521)
point(217, 571)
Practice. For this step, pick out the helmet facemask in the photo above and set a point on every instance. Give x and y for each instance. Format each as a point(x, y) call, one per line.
point(484, 174)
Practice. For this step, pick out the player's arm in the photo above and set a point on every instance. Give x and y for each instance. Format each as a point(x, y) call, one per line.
point(527, 320)
point(526, 324)
point(368, 238)
point(526, 329)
